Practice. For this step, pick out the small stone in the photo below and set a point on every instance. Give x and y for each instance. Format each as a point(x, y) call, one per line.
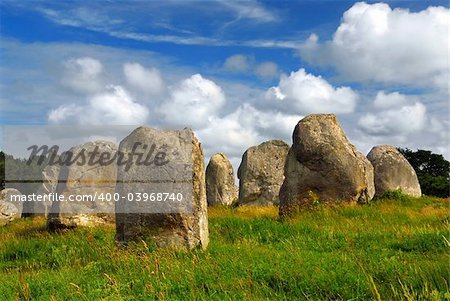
point(392, 171)
point(261, 173)
point(220, 184)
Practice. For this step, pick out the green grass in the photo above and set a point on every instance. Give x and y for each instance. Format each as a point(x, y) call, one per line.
point(389, 250)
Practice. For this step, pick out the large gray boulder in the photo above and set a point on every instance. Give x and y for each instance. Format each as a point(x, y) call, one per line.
point(90, 178)
point(392, 171)
point(10, 205)
point(220, 186)
point(323, 167)
point(183, 225)
point(261, 173)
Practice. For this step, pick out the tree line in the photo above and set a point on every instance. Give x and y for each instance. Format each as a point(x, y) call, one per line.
point(432, 170)
point(29, 174)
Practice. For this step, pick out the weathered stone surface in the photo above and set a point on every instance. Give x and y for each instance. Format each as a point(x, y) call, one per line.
point(10, 209)
point(392, 171)
point(261, 173)
point(50, 177)
point(220, 186)
point(178, 229)
point(89, 179)
point(322, 166)
point(50, 180)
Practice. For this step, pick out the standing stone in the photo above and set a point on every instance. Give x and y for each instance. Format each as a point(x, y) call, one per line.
point(10, 206)
point(261, 173)
point(90, 178)
point(392, 171)
point(166, 225)
point(323, 167)
point(220, 186)
point(50, 181)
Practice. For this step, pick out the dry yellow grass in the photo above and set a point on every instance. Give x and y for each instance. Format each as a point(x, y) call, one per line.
point(246, 212)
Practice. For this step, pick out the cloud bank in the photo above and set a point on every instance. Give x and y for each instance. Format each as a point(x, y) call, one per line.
point(390, 83)
point(390, 46)
point(304, 93)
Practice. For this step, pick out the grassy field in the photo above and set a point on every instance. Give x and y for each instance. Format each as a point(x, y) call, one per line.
point(393, 249)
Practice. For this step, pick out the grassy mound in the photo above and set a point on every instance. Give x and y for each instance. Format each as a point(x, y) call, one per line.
point(393, 249)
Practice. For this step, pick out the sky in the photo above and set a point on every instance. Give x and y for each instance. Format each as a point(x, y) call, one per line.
point(237, 72)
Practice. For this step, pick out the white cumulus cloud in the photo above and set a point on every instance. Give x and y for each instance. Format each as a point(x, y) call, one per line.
point(228, 135)
point(388, 100)
point(398, 120)
point(146, 80)
point(192, 102)
point(304, 93)
point(391, 46)
point(83, 74)
point(244, 127)
point(113, 106)
point(64, 113)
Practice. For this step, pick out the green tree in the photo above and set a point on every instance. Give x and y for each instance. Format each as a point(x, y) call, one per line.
point(2, 170)
point(433, 171)
point(26, 177)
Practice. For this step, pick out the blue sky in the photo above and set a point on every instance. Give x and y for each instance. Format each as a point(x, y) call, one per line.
point(202, 33)
point(237, 72)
